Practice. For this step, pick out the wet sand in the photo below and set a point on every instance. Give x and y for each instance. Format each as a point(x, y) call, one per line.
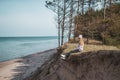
point(18, 69)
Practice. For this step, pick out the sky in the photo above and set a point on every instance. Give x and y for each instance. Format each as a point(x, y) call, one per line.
point(26, 18)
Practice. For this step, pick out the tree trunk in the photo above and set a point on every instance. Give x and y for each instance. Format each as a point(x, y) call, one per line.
point(63, 23)
point(82, 7)
point(58, 14)
point(110, 2)
point(58, 36)
point(104, 9)
point(70, 22)
point(76, 26)
point(88, 32)
point(89, 7)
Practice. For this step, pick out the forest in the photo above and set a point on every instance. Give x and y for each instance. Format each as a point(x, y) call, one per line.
point(94, 19)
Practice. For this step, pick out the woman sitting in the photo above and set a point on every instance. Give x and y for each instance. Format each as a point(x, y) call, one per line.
point(79, 48)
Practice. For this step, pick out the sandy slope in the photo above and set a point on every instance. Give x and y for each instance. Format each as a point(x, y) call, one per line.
point(96, 65)
point(18, 69)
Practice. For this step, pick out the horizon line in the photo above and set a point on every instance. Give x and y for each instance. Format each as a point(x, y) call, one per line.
point(31, 36)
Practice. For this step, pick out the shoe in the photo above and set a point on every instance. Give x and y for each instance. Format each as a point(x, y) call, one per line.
point(63, 56)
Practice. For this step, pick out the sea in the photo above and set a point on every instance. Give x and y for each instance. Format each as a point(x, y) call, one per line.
point(14, 47)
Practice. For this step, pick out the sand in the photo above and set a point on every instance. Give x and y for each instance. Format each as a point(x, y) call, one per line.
point(93, 65)
point(20, 68)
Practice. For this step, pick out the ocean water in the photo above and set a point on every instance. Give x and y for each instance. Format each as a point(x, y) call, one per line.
point(14, 47)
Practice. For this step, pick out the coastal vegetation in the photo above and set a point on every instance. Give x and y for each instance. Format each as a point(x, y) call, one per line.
point(95, 19)
point(98, 21)
point(94, 45)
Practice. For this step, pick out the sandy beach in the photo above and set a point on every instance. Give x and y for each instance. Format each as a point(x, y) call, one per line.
point(18, 69)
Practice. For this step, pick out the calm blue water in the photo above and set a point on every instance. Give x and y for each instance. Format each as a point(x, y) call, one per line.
point(13, 47)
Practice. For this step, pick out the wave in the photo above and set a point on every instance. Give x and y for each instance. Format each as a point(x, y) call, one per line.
point(29, 44)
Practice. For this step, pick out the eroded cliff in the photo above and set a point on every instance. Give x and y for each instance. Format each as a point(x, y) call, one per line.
point(97, 65)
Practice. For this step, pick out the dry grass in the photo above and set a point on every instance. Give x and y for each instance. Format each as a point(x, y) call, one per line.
point(98, 47)
point(90, 47)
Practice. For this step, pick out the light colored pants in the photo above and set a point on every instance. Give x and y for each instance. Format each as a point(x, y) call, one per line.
point(80, 48)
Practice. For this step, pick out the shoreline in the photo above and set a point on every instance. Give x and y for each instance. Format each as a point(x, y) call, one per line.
point(22, 67)
point(39, 52)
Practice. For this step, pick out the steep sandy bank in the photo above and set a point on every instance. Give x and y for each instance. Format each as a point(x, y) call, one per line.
point(18, 69)
point(98, 65)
